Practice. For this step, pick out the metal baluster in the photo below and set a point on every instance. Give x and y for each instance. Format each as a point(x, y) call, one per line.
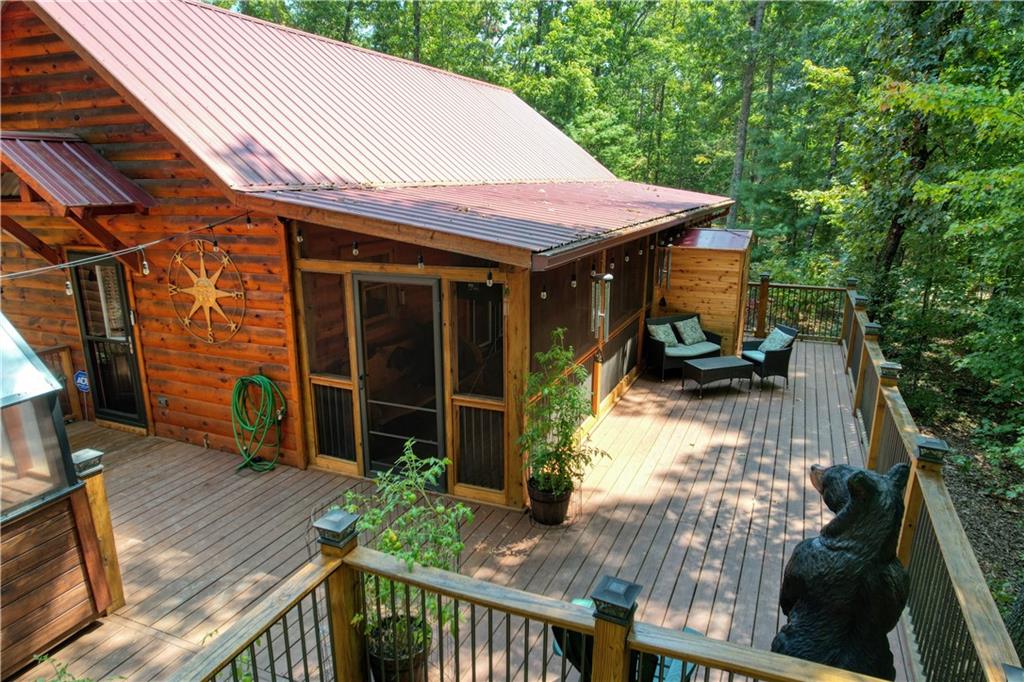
point(490, 644)
point(508, 647)
point(287, 645)
point(526, 649)
point(408, 627)
point(316, 630)
point(563, 647)
point(302, 640)
point(270, 651)
point(472, 638)
point(394, 624)
point(380, 619)
point(252, 663)
point(458, 644)
point(234, 670)
point(425, 630)
point(440, 634)
point(544, 654)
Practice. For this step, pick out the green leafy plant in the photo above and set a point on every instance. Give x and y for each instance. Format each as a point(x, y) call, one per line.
point(556, 404)
point(60, 671)
point(420, 527)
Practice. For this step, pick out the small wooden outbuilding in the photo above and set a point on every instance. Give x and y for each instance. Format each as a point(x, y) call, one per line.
point(388, 242)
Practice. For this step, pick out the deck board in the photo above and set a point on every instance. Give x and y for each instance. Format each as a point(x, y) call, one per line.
point(701, 501)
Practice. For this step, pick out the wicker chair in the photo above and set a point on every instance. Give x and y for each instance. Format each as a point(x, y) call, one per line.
point(773, 363)
point(660, 358)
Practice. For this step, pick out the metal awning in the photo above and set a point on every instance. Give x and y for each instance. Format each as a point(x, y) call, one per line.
point(69, 174)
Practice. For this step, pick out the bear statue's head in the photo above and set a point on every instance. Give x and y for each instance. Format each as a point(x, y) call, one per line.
point(868, 506)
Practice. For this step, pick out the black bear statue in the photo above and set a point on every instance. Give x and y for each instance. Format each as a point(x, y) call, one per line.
point(844, 590)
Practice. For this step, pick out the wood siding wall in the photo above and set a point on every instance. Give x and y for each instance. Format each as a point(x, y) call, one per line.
point(714, 284)
point(46, 86)
point(45, 591)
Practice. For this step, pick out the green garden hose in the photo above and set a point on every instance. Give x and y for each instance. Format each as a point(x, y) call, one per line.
point(253, 415)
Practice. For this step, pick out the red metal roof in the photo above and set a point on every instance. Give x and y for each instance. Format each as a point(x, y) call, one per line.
point(533, 216)
point(718, 240)
point(263, 105)
point(65, 170)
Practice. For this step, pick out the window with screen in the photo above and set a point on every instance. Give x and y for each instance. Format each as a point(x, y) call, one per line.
point(480, 331)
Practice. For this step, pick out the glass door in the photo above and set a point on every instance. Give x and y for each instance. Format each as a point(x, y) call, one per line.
point(398, 327)
point(107, 326)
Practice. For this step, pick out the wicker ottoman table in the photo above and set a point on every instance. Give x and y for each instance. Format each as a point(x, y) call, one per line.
point(706, 370)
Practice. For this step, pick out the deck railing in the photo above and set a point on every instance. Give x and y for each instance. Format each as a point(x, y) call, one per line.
point(954, 626)
point(816, 311)
point(475, 630)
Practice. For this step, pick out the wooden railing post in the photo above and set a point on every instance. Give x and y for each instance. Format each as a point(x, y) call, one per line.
point(845, 329)
point(871, 333)
point(336, 533)
point(762, 305)
point(931, 453)
point(614, 608)
point(89, 467)
point(860, 302)
point(888, 375)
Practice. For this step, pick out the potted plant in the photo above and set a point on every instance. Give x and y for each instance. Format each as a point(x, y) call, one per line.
point(555, 453)
point(418, 527)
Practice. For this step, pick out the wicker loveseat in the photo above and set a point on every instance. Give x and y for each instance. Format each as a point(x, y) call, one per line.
point(661, 358)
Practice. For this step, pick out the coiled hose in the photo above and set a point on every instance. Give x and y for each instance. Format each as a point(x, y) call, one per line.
point(253, 415)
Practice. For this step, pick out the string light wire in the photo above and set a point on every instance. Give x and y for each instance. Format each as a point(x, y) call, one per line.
point(99, 257)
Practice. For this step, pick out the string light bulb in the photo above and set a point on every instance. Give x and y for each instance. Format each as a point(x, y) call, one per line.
point(611, 265)
point(419, 261)
point(593, 268)
point(572, 281)
point(67, 284)
point(248, 221)
point(544, 293)
point(298, 237)
point(490, 279)
point(625, 258)
point(355, 248)
point(640, 251)
point(145, 264)
point(216, 245)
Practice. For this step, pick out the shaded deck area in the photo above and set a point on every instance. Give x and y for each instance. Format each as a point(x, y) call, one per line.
point(701, 501)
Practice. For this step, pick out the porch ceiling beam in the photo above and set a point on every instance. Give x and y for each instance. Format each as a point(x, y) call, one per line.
point(16, 230)
point(84, 219)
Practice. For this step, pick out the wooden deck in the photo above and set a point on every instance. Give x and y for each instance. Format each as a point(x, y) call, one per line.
point(701, 502)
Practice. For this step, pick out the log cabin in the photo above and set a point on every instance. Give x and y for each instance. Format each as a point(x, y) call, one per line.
point(389, 243)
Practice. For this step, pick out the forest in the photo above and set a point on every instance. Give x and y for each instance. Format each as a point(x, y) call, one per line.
point(882, 141)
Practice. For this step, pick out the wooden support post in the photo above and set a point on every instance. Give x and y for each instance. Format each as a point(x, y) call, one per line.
point(89, 467)
point(336, 533)
point(762, 305)
point(871, 332)
point(859, 304)
point(105, 238)
point(848, 318)
point(889, 373)
point(614, 608)
point(931, 452)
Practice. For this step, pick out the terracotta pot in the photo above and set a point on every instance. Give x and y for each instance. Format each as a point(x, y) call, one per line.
point(386, 667)
point(546, 508)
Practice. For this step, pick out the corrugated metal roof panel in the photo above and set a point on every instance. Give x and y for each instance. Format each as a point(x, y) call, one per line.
point(69, 171)
point(534, 216)
point(718, 240)
point(262, 104)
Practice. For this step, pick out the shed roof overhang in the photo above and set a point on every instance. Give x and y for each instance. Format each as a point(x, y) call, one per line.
point(61, 175)
point(531, 225)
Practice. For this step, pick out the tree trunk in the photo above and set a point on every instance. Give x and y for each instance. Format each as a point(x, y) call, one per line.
point(346, 31)
point(833, 163)
point(741, 126)
point(416, 30)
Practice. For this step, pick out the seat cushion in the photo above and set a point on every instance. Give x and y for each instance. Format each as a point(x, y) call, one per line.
point(777, 340)
point(689, 331)
point(697, 349)
point(663, 333)
point(754, 356)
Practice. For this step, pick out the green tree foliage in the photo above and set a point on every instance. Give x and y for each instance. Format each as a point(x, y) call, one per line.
point(884, 142)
